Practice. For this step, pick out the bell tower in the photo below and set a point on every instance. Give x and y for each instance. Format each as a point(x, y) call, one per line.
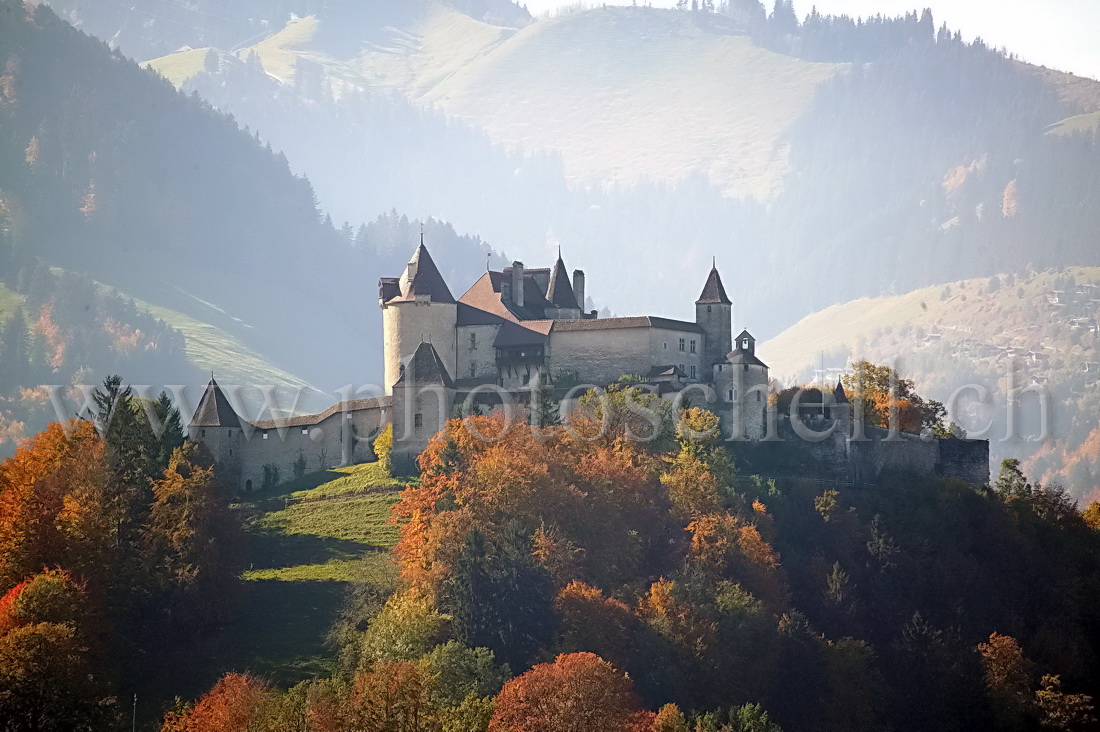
point(714, 314)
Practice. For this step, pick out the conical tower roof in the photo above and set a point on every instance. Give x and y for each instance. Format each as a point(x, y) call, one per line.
point(838, 394)
point(560, 291)
point(422, 277)
point(424, 368)
point(214, 409)
point(713, 291)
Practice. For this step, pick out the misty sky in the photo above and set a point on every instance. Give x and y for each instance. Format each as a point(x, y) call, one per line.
point(1057, 33)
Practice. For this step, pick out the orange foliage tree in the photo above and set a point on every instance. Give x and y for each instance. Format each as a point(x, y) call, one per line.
point(578, 692)
point(232, 705)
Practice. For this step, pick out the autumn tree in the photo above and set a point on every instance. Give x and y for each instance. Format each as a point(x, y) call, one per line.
point(192, 536)
point(1007, 678)
point(1061, 710)
point(232, 705)
point(578, 692)
point(48, 678)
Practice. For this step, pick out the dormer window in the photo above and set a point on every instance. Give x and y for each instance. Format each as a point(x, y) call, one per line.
point(744, 344)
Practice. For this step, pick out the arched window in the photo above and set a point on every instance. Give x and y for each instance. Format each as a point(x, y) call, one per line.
point(248, 485)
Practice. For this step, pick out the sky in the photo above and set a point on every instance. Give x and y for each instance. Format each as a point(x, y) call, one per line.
point(1061, 34)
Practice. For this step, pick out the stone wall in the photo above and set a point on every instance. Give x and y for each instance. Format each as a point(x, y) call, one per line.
point(342, 438)
point(479, 351)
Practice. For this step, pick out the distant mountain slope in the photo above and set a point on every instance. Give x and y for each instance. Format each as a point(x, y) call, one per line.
point(622, 93)
point(971, 332)
point(107, 170)
point(603, 88)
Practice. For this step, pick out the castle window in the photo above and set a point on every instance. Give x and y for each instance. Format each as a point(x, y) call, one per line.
point(666, 345)
point(730, 396)
point(693, 368)
point(473, 341)
point(473, 369)
point(230, 453)
point(202, 433)
point(418, 421)
point(681, 344)
point(757, 396)
point(265, 434)
point(708, 309)
point(693, 346)
point(305, 430)
point(744, 344)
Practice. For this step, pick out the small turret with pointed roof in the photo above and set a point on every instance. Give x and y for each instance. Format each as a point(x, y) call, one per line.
point(560, 292)
point(838, 393)
point(713, 291)
point(714, 314)
point(214, 409)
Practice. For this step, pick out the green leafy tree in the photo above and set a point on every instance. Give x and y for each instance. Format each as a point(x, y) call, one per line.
point(500, 598)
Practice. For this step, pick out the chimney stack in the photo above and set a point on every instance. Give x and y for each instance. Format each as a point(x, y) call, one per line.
point(517, 283)
point(578, 288)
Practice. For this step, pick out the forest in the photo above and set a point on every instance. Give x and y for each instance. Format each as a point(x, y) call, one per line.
point(564, 577)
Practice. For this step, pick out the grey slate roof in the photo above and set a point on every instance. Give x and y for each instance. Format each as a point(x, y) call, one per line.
point(713, 291)
point(737, 356)
point(560, 291)
point(838, 394)
point(639, 321)
point(424, 368)
point(214, 409)
point(427, 280)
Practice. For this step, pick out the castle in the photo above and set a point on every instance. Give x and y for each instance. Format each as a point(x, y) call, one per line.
point(521, 329)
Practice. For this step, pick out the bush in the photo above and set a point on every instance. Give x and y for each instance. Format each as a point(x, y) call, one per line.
point(383, 449)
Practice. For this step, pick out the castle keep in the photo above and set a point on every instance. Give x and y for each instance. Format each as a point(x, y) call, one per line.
point(516, 331)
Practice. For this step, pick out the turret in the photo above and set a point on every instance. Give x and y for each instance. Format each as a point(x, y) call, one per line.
point(563, 301)
point(216, 425)
point(417, 308)
point(714, 314)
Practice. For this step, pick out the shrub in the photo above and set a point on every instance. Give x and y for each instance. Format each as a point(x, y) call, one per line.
point(383, 449)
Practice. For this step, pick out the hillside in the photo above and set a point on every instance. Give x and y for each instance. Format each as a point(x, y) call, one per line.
point(969, 332)
point(602, 88)
point(605, 89)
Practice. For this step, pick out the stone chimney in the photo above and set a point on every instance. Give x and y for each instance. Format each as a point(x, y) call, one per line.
point(517, 283)
point(578, 288)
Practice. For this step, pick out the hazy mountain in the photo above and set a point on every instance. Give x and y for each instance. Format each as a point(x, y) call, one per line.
point(109, 173)
point(996, 333)
point(627, 134)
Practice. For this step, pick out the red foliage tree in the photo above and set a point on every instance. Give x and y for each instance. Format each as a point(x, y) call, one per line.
point(578, 692)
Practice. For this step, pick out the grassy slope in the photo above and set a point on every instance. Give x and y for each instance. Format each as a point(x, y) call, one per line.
point(622, 93)
point(211, 348)
point(308, 539)
point(1077, 123)
point(9, 301)
point(181, 66)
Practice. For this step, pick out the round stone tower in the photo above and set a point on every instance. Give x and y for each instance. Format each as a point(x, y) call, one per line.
point(417, 307)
